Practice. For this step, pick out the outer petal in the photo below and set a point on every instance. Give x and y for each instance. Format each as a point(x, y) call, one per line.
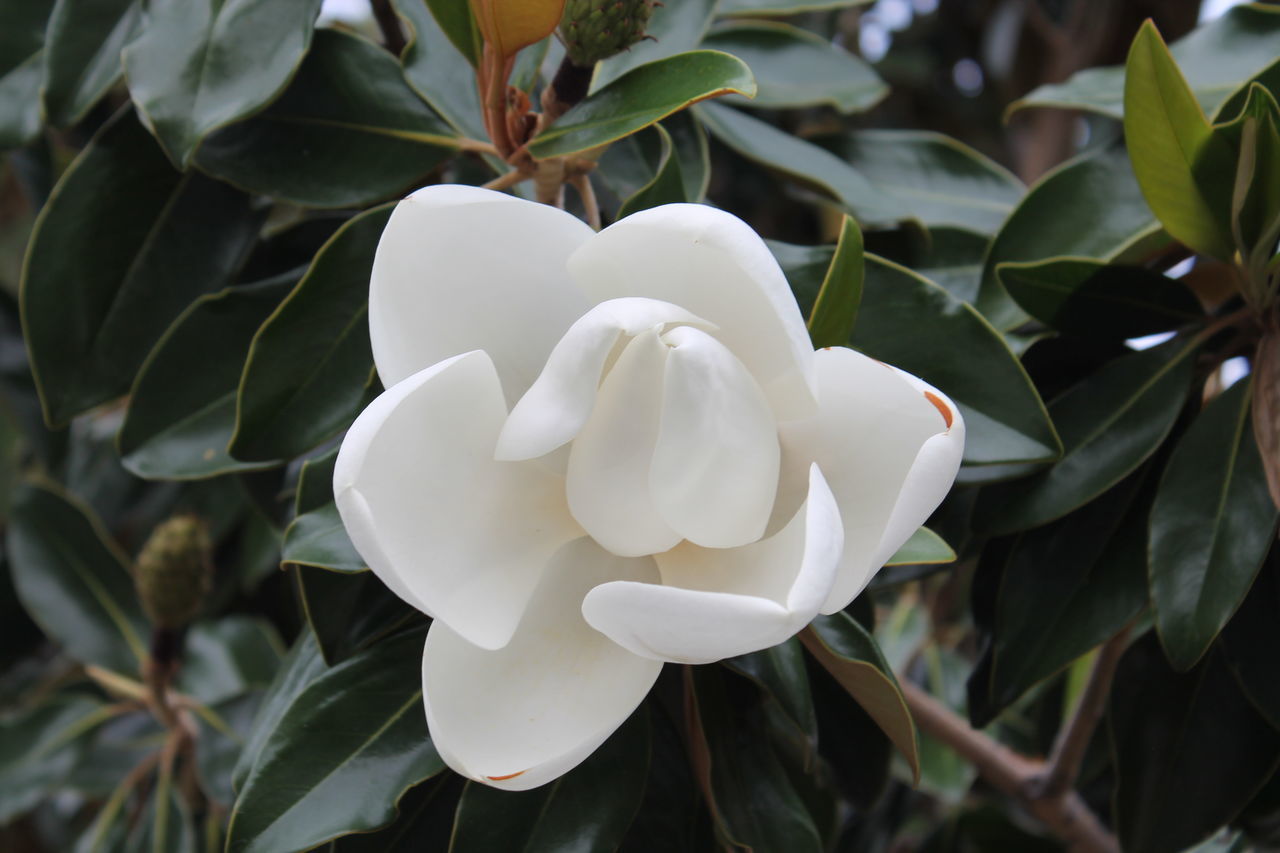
point(521, 716)
point(715, 465)
point(871, 428)
point(558, 404)
point(463, 268)
point(609, 463)
point(715, 265)
point(449, 530)
point(716, 603)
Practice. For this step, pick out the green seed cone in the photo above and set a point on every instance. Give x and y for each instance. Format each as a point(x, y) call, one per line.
point(597, 29)
point(173, 572)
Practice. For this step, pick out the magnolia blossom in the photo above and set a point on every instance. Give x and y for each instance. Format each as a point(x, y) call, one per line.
point(601, 451)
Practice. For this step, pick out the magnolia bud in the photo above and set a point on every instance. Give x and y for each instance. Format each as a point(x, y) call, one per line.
point(597, 29)
point(173, 572)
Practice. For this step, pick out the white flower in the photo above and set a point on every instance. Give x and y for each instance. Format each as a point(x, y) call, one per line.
point(599, 452)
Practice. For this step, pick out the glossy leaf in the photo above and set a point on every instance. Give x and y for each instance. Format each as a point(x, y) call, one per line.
point(39, 747)
point(73, 580)
point(1211, 527)
point(148, 242)
point(910, 322)
point(753, 803)
point(348, 612)
point(435, 69)
point(844, 648)
point(1110, 423)
point(803, 161)
point(1168, 136)
point(318, 538)
point(455, 19)
point(1217, 58)
point(304, 790)
point(1170, 732)
point(347, 132)
point(674, 27)
point(1093, 299)
point(425, 822)
point(310, 363)
point(780, 672)
point(835, 308)
point(82, 54)
point(588, 809)
point(641, 97)
point(924, 547)
point(183, 405)
point(198, 66)
point(1064, 589)
point(667, 185)
point(1088, 207)
point(939, 180)
point(229, 658)
point(629, 165)
point(795, 68)
point(22, 35)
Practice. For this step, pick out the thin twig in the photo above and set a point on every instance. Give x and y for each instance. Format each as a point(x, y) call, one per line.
point(507, 180)
point(582, 183)
point(1066, 816)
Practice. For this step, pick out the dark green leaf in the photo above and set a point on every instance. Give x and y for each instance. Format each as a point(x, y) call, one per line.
point(803, 161)
point(148, 241)
point(183, 407)
point(348, 612)
point(73, 580)
point(437, 71)
point(455, 19)
point(674, 27)
point(1168, 135)
point(1088, 207)
point(939, 180)
point(196, 67)
point(850, 654)
point(641, 97)
point(1093, 299)
point(780, 671)
point(835, 308)
point(773, 8)
point(753, 802)
point(347, 132)
point(1064, 589)
point(795, 68)
point(425, 822)
point(82, 54)
point(1211, 526)
point(318, 538)
point(630, 164)
point(912, 323)
point(1110, 423)
point(587, 810)
point(1217, 58)
point(315, 482)
point(22, 35)
point(667, 185)
point(1254, 135)
point(923, 547)
point(305, 790)
point(310, 363)
point(1251, 637)
point(228, 658)
point(165, 824)
point(222, 736)
point(39, 747)
point(1171, 732)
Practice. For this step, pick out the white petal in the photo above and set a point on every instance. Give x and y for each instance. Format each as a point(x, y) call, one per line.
point(448, 529)
point(715, 265)
point(930, 477)
point(463, 268)
point(519, 717)
point(716, 603)
point(555, 408)
point(715, 466)
point(872, 426)
point(609, 463)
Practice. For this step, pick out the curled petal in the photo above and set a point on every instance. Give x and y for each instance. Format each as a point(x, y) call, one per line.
point(463, 268)
point(873, 424)
point(713, 264)
point(717, 603)
point(558, 404)
point(520, 716)
point(715, 464)
point(448, 529)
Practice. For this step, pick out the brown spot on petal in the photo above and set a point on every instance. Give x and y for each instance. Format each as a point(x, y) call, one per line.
point(940, 406)
point(504, 778)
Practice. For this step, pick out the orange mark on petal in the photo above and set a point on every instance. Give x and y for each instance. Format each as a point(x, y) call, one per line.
point(940, 406)
point(504, 778)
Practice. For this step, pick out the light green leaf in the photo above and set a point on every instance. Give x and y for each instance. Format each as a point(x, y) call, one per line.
point(835, 309)
point(454, 17)
point(674, 27)
point(641, 97)
point(923, 548)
